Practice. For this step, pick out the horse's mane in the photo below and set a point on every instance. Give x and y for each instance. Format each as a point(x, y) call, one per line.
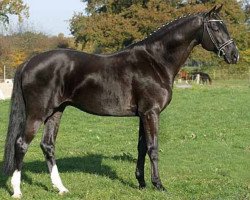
point(165, 28)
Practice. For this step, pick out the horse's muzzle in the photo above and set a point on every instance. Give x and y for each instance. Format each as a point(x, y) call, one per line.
point(236, 57)
point(233, 57)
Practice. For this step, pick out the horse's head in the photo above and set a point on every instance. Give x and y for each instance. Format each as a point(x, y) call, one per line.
point(216, 37)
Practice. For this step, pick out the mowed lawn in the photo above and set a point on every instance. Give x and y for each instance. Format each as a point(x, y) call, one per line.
point(204, 150)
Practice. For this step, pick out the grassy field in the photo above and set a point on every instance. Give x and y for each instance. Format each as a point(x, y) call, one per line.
point(204, 150)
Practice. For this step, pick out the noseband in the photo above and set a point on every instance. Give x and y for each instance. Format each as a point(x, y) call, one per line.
point(219, 48)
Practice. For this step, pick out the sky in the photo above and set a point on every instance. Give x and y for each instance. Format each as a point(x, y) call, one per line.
point(51, 16)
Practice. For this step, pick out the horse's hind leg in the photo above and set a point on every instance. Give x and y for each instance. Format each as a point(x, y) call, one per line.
point(21, 148)
point(48, 147)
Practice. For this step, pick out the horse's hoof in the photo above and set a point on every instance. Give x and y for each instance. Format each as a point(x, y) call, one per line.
point(17, 196)
point(141, 187)
point(63, 192)
point(161, 188)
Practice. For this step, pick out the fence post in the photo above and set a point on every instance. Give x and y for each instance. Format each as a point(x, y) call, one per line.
point(4, 75)
point(214, 74)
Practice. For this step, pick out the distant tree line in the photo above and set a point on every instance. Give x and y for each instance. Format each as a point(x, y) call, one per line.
point(110, 25)
point(19, 46)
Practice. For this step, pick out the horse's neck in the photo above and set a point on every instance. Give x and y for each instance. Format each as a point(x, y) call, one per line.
point(173, 49)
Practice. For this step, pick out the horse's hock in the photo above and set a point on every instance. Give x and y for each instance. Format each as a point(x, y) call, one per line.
point(6, 90)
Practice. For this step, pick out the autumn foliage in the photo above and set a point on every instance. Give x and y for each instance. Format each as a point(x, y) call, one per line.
point(18, 47)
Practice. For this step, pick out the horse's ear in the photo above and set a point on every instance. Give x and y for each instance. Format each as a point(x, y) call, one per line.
point(210, 13)
point(217, 10)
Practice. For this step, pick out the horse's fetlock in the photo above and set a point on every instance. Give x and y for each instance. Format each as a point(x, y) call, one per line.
point(157, 183)
point(21, 145)
point(139, 174)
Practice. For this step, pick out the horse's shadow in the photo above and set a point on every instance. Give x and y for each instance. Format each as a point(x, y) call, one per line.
point(90, 163)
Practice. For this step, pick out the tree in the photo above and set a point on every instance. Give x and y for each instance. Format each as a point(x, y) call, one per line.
point(61, 41)
point(12, 7)
point(110, 33)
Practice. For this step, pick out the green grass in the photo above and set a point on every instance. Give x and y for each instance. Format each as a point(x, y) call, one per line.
point(204, 153)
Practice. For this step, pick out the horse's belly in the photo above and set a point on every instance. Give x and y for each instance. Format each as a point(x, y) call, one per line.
point(101, 104)
point(104, 99)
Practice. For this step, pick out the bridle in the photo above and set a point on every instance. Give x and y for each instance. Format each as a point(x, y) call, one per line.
point(219, 48)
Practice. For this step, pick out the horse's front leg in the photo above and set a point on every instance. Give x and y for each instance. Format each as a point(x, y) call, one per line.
point(150, 121)
point(142, 151)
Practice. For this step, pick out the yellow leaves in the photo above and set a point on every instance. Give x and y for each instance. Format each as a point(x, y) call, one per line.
point(245, 55)
point(17, 57)
point(15, 49)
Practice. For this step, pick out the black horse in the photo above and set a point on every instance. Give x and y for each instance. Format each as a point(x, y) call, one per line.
point(204, 77)
point(136, 81)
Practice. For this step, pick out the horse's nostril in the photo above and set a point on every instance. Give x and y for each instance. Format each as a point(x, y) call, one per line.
point(238, 57)
point(235, 58)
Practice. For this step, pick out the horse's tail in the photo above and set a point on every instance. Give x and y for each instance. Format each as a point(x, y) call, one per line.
point(17, 122)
